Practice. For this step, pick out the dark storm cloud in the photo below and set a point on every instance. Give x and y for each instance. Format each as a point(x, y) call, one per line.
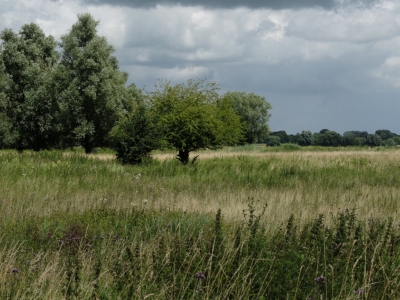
point(253, 4)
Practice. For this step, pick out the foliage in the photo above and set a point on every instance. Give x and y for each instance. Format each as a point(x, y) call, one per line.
point(389, 142)
point(294, 138)
point(329, 138)
point(135, 136)
point(29, 111)
point(385, 134)
point(6, 136)
point(373, 140)
point(194, 117)
point(283, 136)
point(349, 139)
point(273, 140)
point(92, 89)
point(254, 111)
point(305, 138)
point(359, 134)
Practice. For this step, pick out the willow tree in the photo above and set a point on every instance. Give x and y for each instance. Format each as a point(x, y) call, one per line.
point(254, 111)
point(28, 107)
point(92, 89)
point(193, 116)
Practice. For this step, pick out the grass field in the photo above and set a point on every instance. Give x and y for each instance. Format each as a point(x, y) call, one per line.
point(257, 222)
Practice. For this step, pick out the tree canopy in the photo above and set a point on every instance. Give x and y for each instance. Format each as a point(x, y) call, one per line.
point(92, 89)
point(254, 111)
point(29, 110)
point(193, 116)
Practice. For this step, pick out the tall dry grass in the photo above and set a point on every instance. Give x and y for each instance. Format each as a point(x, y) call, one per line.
point(75, 226)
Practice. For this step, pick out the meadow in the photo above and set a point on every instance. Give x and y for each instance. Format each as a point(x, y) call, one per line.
point(245, 222)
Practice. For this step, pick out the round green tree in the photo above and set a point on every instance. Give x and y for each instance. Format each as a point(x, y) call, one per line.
point(193, 116)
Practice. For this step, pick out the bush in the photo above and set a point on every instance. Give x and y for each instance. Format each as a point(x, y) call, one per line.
point(290, 147)
point(273, 140)
point(134, 137)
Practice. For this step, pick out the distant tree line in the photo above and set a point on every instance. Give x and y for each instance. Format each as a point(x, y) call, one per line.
point(68, 93)
point(331, 138)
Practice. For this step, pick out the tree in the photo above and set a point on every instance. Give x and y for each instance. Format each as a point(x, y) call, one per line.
point(389, 142)
point(330, 138)
point(316, 137)
point(373, 140)
point(135, 136)
point(92, 89)
point(192, 116)
point(305, 138)
point(6, 137)
point(294, 138)
point(254, 112)
point(358, 134)
point(29, 109)
point(385, 134)
point(283, 136)
point(322, 131)
point(273, 140)
point(349, 139)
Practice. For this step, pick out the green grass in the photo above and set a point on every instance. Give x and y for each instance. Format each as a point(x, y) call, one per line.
point(79, 227)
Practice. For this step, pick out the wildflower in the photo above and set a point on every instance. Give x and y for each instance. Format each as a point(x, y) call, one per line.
point(359, 291)
point(14, 270)
point(334, 245)
point(320, 279)
point(200, 275)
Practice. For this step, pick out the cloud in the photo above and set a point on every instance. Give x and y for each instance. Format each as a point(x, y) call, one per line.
point(328, 66)
point(228, 4)
point(345, 25)
point(389, 71)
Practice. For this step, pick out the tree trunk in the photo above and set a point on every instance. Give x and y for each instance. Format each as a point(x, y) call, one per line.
point(183, 156)
point(87, 145)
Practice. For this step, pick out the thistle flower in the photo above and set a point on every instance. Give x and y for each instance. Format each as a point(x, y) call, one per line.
point(320, 279)
point(200, 275)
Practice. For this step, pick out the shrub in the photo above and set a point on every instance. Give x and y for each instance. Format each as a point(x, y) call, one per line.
point(290, 147)
point(273, 140)
point(134, 137)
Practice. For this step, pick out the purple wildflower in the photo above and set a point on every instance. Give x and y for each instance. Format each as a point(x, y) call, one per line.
point(200, 275)
point(359, 291)
point(14, 270)
point(320, 279)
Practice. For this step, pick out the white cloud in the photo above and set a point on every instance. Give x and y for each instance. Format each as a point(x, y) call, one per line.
point(345, 25)
point(390, 71)
point(351, 52)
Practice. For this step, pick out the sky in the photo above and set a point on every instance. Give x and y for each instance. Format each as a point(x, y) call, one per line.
point(322, 64)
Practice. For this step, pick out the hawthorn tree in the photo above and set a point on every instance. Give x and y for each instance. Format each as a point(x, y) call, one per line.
point(92, 89)
point(193, 116)
point(254, 111)
point(29, 112)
